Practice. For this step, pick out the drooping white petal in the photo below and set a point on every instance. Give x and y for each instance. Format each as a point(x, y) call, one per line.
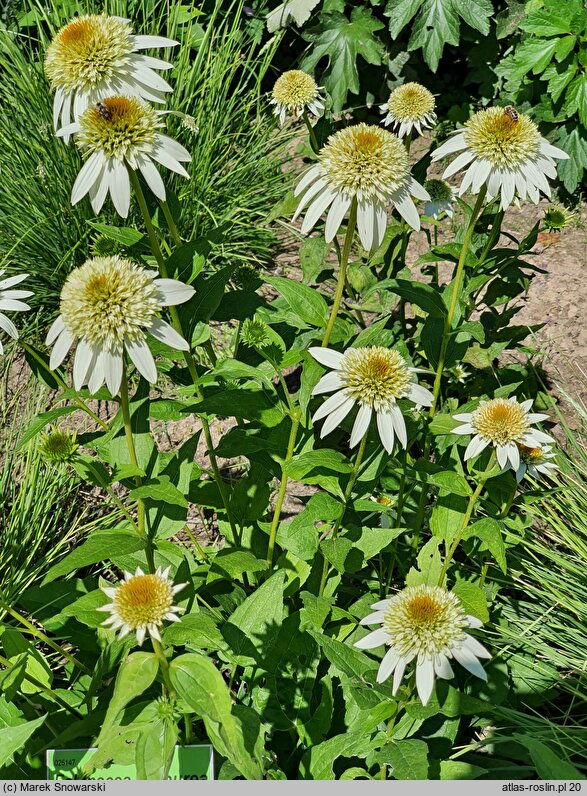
point(62, 345)
point(373, 619)
point(166, 334)
point(336, 417)
point(372, 640)
point(148, 42)
point(387, 665)
point(475, 647)
point(475, 446)
point(442, 667)
point(172, 291)
point(141, 355)
point(420, 395)
point(425, 679)
point(469, 662)
point(327, 356)
point(329, 382)
point(329, 405)
point(407, 209)
point(361, 424)
point(385, 428)
point(318, 206)
point(399, 425)
point(113, 370)
point(152, 176)
point(335, 216)
point(81, 363)
point(87, 176)
point(8, 326)
point(453, 144)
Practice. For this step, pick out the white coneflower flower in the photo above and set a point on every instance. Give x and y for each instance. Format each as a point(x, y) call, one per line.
point(373, 378)
point(116, 134)
point(442, 197)
point(363, 163)
point(97, 56)
point(535, 462)
point(425, 623)
point(142, 603)
point(505, 424)
point(108, 305)
point(409, 107)
point(10, 300)
point(503, 149)
point(294, 92)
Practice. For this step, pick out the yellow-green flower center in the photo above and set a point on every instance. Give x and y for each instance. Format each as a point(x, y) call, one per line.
point(425, 620)
point(365, 161)
point(143, 600)
point(108, 300)
point(411, 103)
point(118, 127)
point(295, 89)
point(493, 135)
point(375, 376)
point(88, 51)
point(501, 421)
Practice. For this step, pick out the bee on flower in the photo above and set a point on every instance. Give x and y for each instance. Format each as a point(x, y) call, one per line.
point(506, 155)
point(96, 56)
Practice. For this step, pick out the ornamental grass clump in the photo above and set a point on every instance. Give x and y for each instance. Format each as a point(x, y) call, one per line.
point(345, 450)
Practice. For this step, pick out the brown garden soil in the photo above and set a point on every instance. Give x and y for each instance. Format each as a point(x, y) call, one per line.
point(557, 298)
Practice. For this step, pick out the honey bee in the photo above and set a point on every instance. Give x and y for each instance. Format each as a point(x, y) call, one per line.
point(104, 112)
point(511, 112)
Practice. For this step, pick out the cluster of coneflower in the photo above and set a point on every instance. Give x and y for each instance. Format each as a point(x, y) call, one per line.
point(104, 86)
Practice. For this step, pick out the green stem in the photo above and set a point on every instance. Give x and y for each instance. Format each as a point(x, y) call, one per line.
point(64, 385)
point(347, 495)
point(125, 407)
point(196, 544)
point(171, 223)
point(187, 355)
point(456, 289)
point(163, 666)
point(155, 248)
point(467, 516)
point(342, 271)
point(42, 637)
point(295, 422)
point(313, 140)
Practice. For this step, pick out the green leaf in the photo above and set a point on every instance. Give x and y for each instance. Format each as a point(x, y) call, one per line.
point(408, 759)
point(399, 14)
point(341, 41)
point(545, 23)
point(301, 535)
point(200, 685)
point(155, 748)
point(457, 769)
point(233, 369)
point(559, 78)
point(251, 628)
point(126, 236)
point(135, 675)
point(447, 515)
point(473, 599)
point(550, 765)
point(420, 294)
point(532, 55)
point(42, 420)
point(344, 657)
point(427, 571)
point(446, 479)
point(490, 533)
point(14, 738)
point(318, 761)
point(313, 467)
point(573, 141)
point(437, 24)
point(443, 424)
point(576, 98)
point(246, 403)
point(101, 546)
point(232, 563)
point(303, 301)
point(159, 489)
point(198, 631)
point(84, 608)
point(312, 254)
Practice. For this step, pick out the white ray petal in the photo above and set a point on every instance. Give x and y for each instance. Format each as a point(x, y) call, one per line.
point(425, 679)
point(336, 417)
point(327, 356)
point(62, 345)
point(361, 424)
point(162, 331)
point(475, 446)
point(141, 355)
point(385, 428)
